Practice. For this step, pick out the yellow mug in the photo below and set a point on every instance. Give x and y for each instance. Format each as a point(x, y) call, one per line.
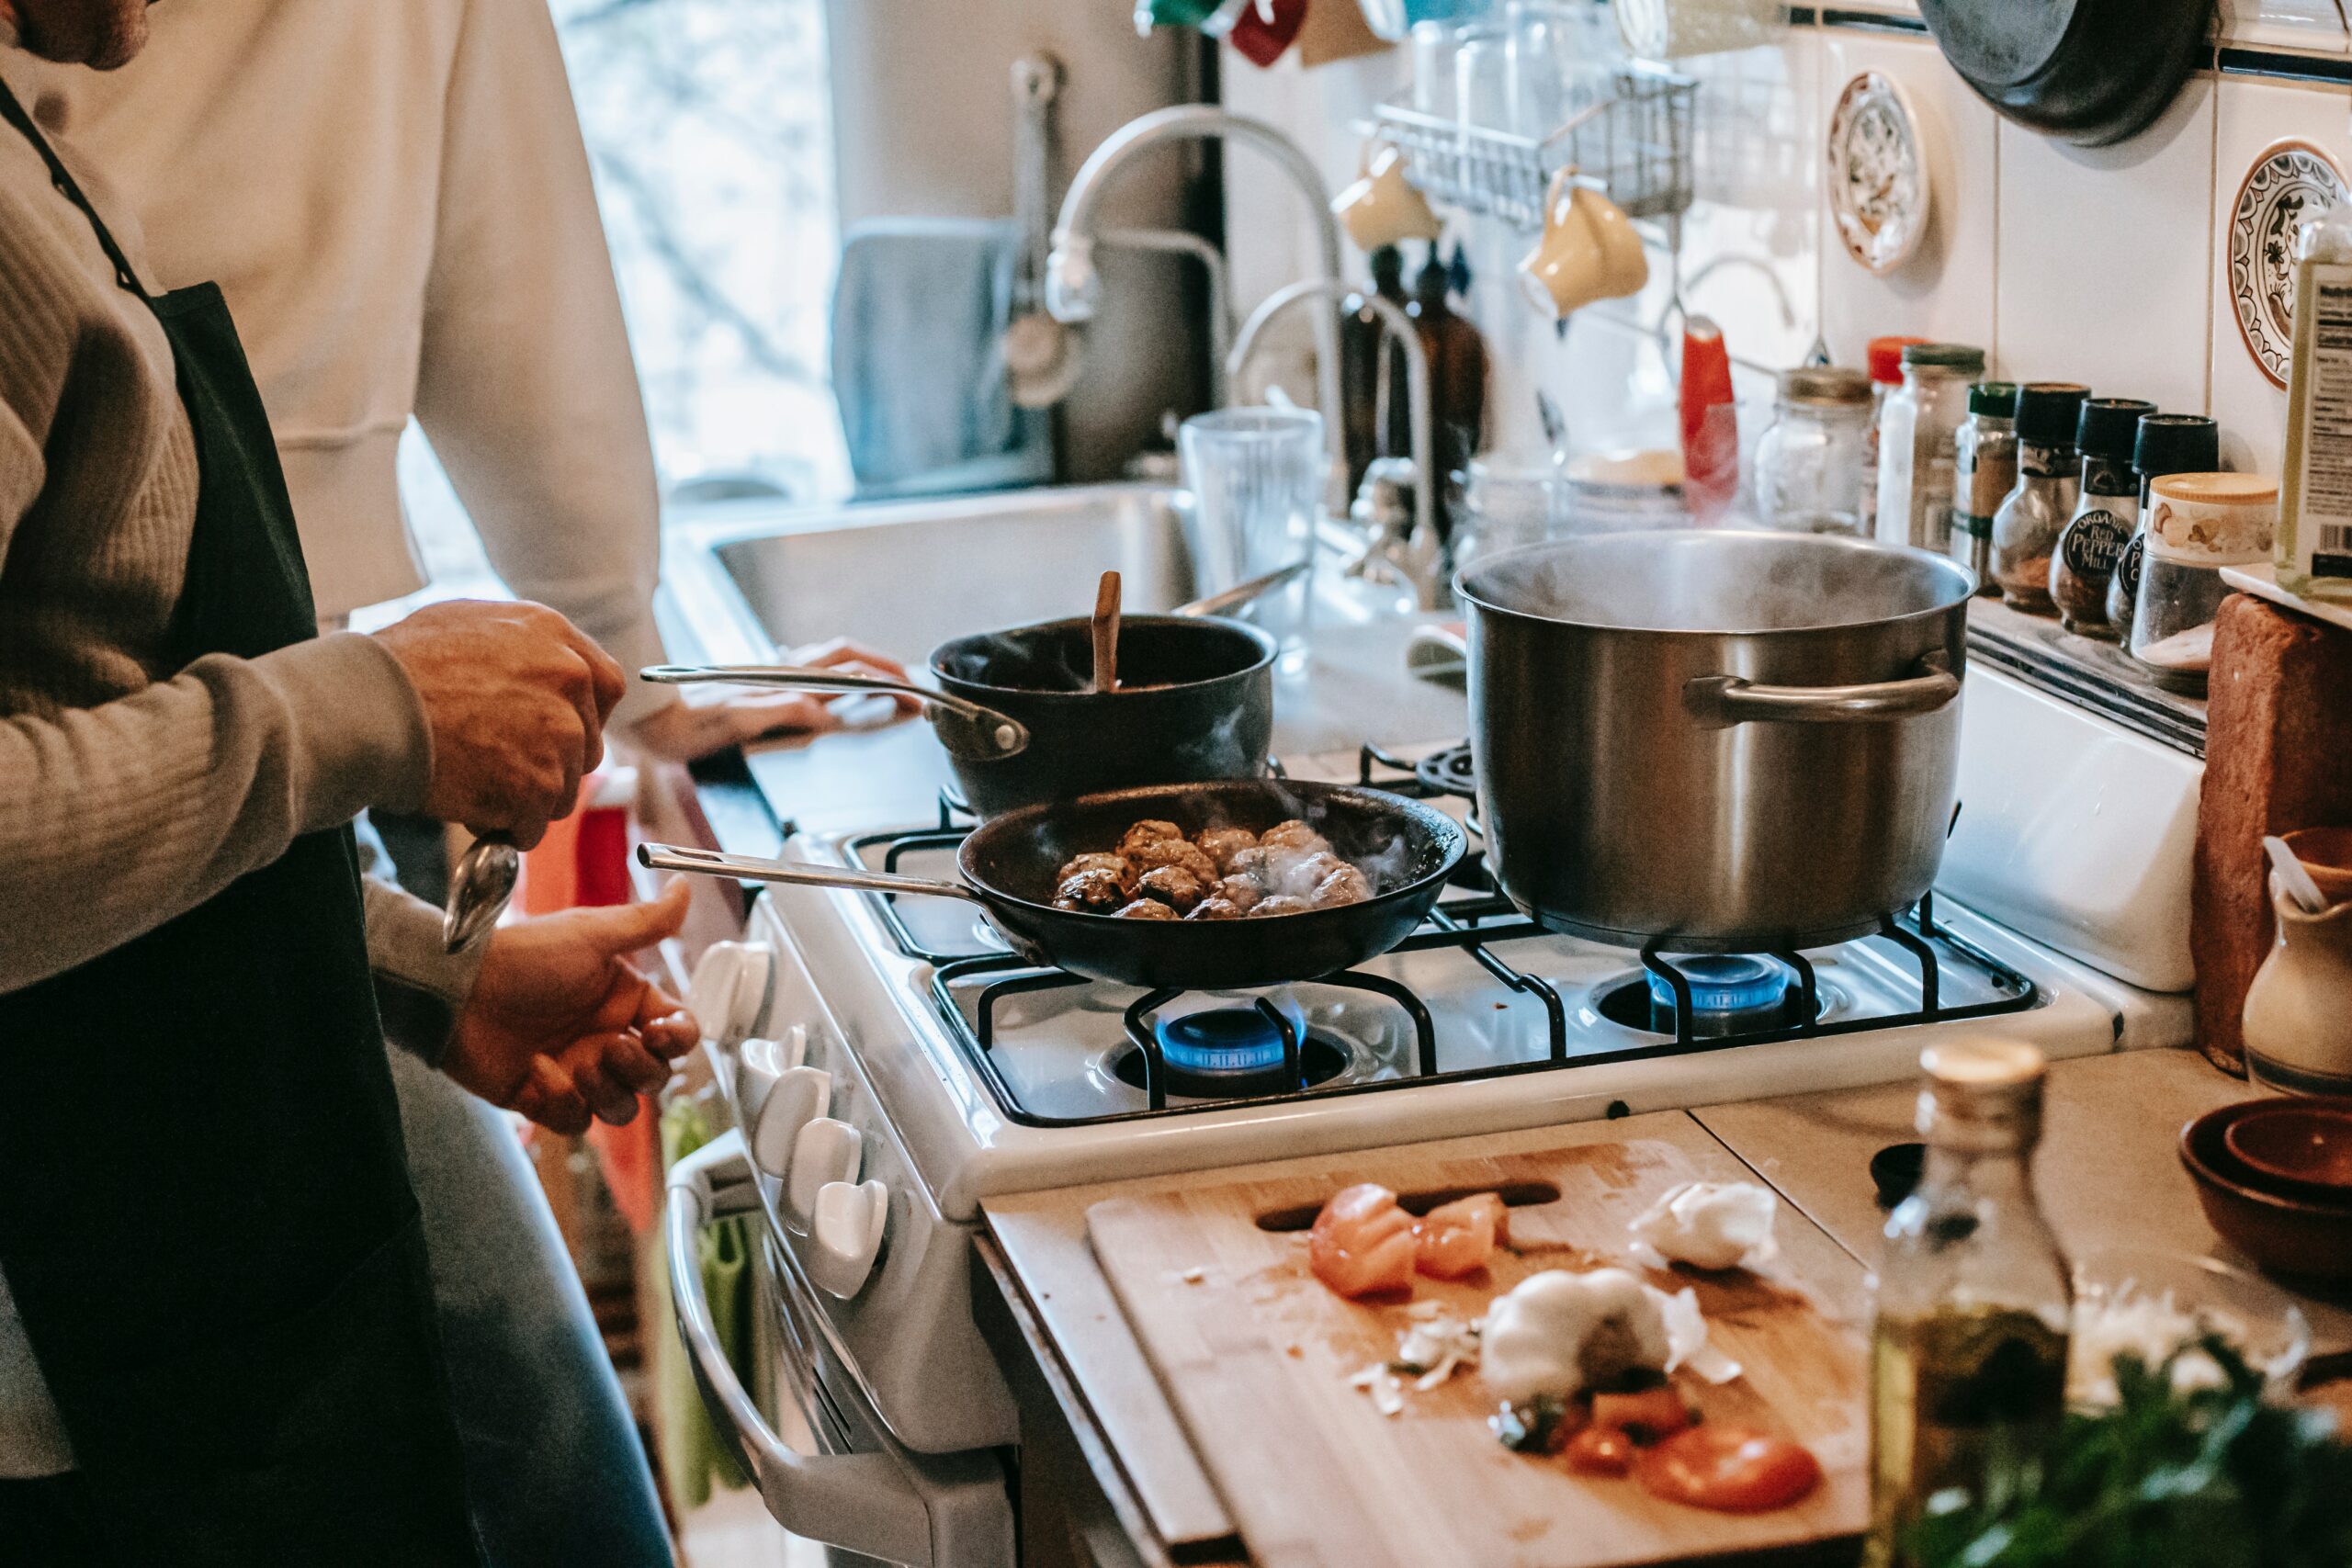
point(1382, 208)
point(1588, 251)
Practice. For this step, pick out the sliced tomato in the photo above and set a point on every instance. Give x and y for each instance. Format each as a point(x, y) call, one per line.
point(1653, 1413)
point(1457, 1238)
point(1736, 1469)
point(1362, 1243)
point(1601, 1451)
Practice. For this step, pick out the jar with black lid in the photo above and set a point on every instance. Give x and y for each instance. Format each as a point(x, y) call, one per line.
point(2106, 513)
point(1984, 469)
point(2167, 443)
point(2026, 529)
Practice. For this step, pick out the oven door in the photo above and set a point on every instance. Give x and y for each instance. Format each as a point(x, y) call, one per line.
point(847, 1485)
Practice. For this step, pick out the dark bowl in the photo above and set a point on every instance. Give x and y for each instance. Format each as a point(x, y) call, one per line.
point(2302, 1146)
point(2286, 1233)
point(1196, 702)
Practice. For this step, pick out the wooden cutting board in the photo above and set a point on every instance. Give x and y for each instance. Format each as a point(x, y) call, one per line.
point(1255, 1354)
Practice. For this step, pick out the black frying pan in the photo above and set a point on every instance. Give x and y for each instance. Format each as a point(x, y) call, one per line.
point(1008, 865)
point(2093, 71)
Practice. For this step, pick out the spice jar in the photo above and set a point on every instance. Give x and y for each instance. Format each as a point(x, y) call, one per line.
point(2167, 443)
point(2026, 528)
point(1809, 464)
point(1984, 469)
point(2198, 523)
point(2107, 511)
point(1917, 425)
point(1885, 359)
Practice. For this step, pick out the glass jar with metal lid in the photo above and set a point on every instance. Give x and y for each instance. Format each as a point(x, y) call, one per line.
point(1916, 430)
point(1810, 464)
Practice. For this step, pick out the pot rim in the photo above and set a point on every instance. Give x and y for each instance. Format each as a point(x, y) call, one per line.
point(1267, 650)
point(1963, 580)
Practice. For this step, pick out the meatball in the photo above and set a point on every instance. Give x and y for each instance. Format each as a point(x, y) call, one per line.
point(1279, 904)
point(1253, 865)
point(1218, 910)
point(1096, 892)
point(1300, 875)
point(1241, 892)
point(1294, 835)
point(1151, 831)
point(1345, 886)
point(1148, 910)
point(1221, 844)
point(1115, 864)
point(1174, 886)
point(1175, 853)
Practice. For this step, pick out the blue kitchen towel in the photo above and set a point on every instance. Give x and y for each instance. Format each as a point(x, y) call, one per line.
point(920, 308)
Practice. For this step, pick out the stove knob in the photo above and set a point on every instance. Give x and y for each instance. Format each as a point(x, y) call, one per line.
point(759, 1063)
point(730, 990)
point(825, 1151)
point(795, 1097)
point(846, 1236)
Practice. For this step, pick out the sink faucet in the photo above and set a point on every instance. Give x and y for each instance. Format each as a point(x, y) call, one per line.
point(1389, 551)
point(1074, 288)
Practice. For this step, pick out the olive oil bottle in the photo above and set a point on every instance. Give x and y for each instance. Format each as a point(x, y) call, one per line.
point(1968, 1352)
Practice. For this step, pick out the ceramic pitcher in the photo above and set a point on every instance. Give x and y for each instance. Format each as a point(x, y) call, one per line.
point(2298, 1011)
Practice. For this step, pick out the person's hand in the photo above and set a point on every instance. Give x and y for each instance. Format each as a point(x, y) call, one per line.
point(516, 698)
point(561, 1026)
point(712, 719)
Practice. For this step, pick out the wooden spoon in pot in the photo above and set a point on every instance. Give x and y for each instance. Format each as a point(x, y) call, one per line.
point(1106, 633)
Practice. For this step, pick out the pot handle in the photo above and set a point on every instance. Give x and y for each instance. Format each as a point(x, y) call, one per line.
point(806, 873)
point(965, 729)
point(1718, 702)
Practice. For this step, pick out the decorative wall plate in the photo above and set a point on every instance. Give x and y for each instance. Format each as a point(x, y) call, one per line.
point(1877, 172)
point(2288, 179)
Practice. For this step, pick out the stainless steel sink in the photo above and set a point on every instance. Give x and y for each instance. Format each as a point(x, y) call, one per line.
point(746, 577)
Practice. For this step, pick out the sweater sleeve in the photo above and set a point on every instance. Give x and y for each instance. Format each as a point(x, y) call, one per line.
point(526, 386)
point(136, 810)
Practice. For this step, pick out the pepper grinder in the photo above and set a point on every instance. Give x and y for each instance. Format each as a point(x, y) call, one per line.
point(2026, 529)
point(2105, 515)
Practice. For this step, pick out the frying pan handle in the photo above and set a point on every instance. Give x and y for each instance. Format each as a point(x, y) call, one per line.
point(1718, 702)
point(806, 873)
point(984, 732)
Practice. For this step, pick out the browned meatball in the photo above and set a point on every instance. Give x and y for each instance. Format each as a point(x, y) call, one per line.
point(1221, 844)
point(1216, 909)
point(1279, 904)
point(1148, 910)
point(1115, 864)
point(1345, 886)
point(1176, 853)
point(1294, 835)
point(1174, 886)
point(1096, 892)
point(1151, 831)
point(1300, 875)
point(1241, 892)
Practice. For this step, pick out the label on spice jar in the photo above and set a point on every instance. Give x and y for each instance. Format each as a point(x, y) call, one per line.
point(2127, 565)
point(2093, 542)
point(2323, 521)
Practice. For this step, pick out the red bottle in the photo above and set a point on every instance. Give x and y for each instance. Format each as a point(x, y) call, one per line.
point(1710, 421)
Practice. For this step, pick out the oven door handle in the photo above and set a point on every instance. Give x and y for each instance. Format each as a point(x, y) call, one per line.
point(861, 1503)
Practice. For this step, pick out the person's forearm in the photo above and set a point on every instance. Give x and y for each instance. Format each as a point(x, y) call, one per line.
point(115, 818)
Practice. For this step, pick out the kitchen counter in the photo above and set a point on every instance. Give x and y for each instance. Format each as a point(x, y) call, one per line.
point(2107, 1174)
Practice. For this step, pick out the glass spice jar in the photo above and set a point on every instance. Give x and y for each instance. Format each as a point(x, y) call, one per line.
point(1809, 464)
point(1984, 469)
point(1917, 425)
point(1885, 358)
point(2198, 523)
point(2106, 513)
point(2026, 528)
point(2167, 443)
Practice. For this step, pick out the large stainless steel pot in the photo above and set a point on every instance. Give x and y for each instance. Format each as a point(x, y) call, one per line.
point(1726, 741)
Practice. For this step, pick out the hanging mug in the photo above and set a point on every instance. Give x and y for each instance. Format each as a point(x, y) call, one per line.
point(1382, 208)
point(1588, 251)
point(1625, 267)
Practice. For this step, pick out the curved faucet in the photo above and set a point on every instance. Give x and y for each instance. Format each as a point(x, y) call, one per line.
point(1420, 416)
point(1074, 288)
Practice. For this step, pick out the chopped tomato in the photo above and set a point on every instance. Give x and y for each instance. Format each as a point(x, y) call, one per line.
point(1455, 1239)
point(1735, 1469)
point(1601, 1451)
point(1362, 1243)
point(1653, 1413)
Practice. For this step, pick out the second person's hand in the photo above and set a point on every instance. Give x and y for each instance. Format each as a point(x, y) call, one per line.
point(712, 719)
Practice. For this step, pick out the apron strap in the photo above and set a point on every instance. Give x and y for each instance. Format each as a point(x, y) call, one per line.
point(63, 178)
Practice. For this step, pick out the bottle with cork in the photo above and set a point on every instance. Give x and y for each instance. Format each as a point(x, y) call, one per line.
point(2106, 512)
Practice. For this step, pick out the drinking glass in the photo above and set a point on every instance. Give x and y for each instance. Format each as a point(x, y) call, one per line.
point(1256, 478)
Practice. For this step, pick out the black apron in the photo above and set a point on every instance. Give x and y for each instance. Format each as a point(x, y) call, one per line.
point(205, 1211)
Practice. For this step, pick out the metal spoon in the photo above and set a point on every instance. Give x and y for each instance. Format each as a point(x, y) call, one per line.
point(966, 729)
point(1241, 594)
point(2294, 877)
point(479, 888)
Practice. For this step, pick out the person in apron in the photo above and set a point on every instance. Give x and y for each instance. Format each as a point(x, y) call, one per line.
point(205, 1220)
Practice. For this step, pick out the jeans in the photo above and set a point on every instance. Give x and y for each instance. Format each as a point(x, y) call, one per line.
point(553, 1465)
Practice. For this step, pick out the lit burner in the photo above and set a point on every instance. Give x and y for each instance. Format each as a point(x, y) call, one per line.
point(1726, 984)
point(1226, 1037)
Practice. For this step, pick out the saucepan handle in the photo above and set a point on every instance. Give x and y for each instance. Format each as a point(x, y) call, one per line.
point(807, 873)
point(1718, 702)
point(965, 729)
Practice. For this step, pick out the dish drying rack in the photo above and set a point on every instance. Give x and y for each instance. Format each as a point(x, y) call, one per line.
point(1634, 141)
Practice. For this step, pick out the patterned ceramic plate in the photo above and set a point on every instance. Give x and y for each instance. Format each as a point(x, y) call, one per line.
point(2287, 180)
point(1878, 172)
